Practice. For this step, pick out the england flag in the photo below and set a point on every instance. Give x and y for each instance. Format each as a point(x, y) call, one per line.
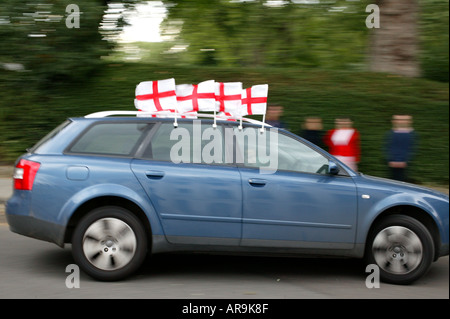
point(228, 97)
point(254, 100)
point(156, 96)
point(194, 98)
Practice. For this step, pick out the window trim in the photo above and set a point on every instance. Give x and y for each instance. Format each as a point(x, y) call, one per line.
point(154, 124)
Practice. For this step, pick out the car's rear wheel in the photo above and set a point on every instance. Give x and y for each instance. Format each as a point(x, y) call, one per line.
point(402, 248)
point(109, 243)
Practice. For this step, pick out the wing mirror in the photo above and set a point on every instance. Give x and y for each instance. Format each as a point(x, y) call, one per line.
point(333, 168)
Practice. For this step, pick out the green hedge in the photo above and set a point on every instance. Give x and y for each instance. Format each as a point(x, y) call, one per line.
point(370, 99)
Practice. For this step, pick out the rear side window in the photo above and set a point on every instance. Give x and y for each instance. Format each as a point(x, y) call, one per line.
point(110, 139)
point(49, 136)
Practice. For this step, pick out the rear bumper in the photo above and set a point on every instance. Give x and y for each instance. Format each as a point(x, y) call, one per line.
point(35, 228)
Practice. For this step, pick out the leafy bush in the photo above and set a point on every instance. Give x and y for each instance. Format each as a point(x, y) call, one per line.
point(370, 99)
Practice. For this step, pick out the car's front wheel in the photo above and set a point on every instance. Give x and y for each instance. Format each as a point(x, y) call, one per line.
point(402, 248)
point(109, 243)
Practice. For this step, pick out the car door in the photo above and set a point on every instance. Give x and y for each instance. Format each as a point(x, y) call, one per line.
point(295, 203)
point(195, 193)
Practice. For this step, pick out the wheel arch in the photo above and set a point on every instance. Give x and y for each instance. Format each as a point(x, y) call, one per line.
point(415, 212)
point(101, 201)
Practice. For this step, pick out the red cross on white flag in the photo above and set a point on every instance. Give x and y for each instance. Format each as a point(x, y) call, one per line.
point(254, 100)
point(228, 97)
point(156, 96)
point(194, 98)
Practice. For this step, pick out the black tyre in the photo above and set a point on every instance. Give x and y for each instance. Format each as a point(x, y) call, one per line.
point(402, 248)
point(109, 243)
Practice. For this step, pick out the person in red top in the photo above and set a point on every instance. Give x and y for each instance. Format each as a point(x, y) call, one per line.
point(343, 142)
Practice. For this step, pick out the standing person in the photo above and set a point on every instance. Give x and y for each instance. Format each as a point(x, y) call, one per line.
point(400, 146)
point(344, 142)
point(273, 116)
point(312, 130)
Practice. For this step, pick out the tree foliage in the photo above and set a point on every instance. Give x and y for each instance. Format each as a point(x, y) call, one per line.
point(41, 53)
point(253, 33)
point(434, 31)
point(294, 33)
point(34, 34)
point(50, 44)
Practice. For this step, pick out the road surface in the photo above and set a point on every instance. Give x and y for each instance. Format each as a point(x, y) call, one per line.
point(31, 268)
point(35, 269)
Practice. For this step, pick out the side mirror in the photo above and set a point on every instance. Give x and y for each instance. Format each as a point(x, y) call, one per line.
point(333, 168)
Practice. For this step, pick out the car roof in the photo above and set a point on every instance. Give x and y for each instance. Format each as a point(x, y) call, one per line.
point(152, 117)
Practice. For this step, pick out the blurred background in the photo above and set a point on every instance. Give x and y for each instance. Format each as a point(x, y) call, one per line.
point(318, 56)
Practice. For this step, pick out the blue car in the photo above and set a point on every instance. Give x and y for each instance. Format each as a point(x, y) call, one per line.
point(120, 187)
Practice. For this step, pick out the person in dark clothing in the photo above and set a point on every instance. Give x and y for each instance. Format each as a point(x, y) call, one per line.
point(401, 143)
point(273, 116)
point(312, 131)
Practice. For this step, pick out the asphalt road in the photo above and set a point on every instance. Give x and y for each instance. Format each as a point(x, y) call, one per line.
point(35, 269)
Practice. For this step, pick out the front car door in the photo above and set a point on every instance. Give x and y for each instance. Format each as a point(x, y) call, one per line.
point(297, 204)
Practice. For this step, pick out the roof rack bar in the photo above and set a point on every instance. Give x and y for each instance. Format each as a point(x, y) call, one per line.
point(143, 114)
point(110, 113)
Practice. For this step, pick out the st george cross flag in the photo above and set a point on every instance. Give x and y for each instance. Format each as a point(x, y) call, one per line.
point(228, 97)
point(194, 98)
point(254, 100)
point(156, 96)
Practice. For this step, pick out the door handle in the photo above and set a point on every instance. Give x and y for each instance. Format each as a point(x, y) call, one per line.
point(257, 182)
point(154, 174)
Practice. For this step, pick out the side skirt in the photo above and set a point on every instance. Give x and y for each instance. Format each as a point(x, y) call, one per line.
point(258, 247)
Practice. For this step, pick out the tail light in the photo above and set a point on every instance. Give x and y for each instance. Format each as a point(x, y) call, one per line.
point(24, 174)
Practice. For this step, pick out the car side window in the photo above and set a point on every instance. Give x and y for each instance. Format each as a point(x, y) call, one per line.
point(110, 139)
point(271, 148)
point(188, 143)
point(295, 156)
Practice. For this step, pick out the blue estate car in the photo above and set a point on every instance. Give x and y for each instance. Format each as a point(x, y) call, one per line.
point(119, 187)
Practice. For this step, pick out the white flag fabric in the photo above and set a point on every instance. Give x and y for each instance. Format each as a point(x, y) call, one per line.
point(170, 114)
point(189, 115)
point(254, 100)
point(156, 96)
point(194, 98)
point(228, 97)
point(226, 116)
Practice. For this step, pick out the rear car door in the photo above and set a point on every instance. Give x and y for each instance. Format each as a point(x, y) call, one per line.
point(197, 196)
